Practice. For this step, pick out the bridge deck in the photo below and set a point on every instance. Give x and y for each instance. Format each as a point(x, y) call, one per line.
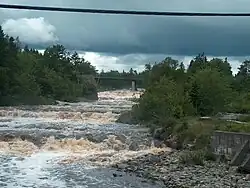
point(118, 78)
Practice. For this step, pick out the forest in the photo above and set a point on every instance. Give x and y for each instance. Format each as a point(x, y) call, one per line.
point(29, 77)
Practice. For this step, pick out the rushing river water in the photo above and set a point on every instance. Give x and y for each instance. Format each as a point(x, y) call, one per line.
point(70, 144)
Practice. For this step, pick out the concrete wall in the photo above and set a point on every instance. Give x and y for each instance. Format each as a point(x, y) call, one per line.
point(228, 143)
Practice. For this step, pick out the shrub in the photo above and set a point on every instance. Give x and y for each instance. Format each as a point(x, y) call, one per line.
point(192, 158)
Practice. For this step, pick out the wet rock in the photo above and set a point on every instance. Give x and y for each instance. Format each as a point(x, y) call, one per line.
point(172, 143)
point(121, 137)
point(154, 159)
point(121, 166)
point(26, 137)
point(158, 133)
point(3, 125)
point(158, 143)
point(20, 158)
point(36, 140)
point(133, 146)
point(91, 96)
point(248, 177)
point(118, 147)
point(7, 137)
point(126, 118)
point(96, 138)
point(117, 175)
point(61, 136)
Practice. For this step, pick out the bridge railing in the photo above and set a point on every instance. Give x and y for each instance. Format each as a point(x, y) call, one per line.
point(136, 78)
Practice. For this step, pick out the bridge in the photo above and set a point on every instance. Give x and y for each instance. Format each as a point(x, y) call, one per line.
point(133, 80)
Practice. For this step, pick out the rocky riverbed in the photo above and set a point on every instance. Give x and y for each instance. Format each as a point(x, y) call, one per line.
point(166, 167)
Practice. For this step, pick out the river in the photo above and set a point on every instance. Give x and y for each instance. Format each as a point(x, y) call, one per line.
point(71, 144)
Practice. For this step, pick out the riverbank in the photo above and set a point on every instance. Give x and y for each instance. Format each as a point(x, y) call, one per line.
point(169, 168)
point(166, 167)
point(18, 100)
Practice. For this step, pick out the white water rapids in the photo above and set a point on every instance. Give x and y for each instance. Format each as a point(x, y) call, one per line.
point(70, 144)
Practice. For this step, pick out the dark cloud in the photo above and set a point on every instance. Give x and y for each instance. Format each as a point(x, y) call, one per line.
point(140, 34)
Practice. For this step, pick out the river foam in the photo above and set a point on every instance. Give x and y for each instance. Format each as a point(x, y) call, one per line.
point(38, 143)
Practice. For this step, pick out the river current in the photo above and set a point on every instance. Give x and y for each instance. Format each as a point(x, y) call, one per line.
point(71, 144)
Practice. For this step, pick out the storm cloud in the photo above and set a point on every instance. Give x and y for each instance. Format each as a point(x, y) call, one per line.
point(125, 34)
point(134, 40)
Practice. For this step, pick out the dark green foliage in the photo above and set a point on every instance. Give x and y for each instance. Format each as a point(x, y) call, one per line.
point(209, 91)
point(28, 77)
point(207, 87)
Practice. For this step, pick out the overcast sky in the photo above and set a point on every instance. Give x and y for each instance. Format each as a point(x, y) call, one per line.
point(123, 41)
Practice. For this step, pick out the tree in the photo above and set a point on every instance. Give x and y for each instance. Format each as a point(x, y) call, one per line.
point(148, 67)
point(222, 66)
point(209, 91)
point(242, 78)
point(197, 64)
point(26, 74)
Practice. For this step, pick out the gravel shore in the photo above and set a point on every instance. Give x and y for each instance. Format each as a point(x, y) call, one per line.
point(166, 167)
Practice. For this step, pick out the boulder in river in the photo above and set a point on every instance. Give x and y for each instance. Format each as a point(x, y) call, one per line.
point(158, 143)
point(98, 138)
point(133, 146)
point(121, 137)
point(7, 137)
point(126, 118)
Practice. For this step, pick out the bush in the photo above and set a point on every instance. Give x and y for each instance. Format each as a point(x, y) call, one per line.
point(162, 102)
point(192, 158)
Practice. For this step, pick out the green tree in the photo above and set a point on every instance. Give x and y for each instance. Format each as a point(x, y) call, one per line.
point(209, 91)
point(198, 63)
point(56, 74)
point(242, 78)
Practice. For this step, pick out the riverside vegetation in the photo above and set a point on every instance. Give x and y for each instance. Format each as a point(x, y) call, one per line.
point(176, 97)
point(183, 107)
point(29, 77)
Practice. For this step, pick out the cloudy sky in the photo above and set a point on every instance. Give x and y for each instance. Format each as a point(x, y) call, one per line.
point(123, 41)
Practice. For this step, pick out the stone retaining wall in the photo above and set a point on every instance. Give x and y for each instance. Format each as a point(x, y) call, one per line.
point(228, 143)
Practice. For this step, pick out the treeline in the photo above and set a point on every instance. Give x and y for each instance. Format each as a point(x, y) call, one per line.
point(175, 95)
point(29, 77)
